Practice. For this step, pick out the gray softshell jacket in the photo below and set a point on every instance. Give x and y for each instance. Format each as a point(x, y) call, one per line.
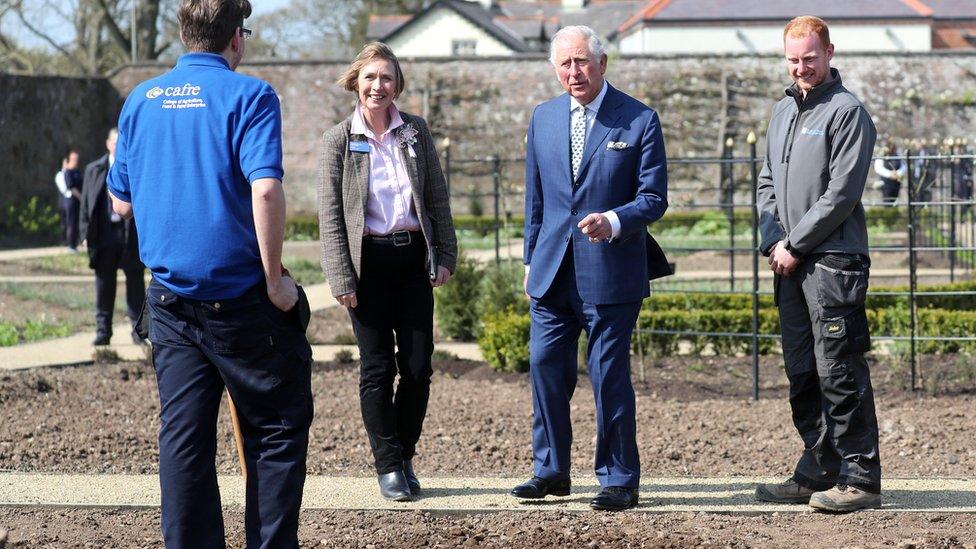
point(818, 154)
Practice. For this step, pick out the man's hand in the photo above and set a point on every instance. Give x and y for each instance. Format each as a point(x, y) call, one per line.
point(348, 300)
point(596, 226)
point(283, 293)
point(443, 275)
point(525, 286)
point(781, 261)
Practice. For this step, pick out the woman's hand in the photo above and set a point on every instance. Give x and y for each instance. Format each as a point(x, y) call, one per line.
point(443, 274)
point(347, 300)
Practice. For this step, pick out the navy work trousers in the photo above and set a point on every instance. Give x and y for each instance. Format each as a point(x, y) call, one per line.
point(825, 336)
point(261, 355)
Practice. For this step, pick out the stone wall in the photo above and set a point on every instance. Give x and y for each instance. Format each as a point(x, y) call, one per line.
point(483, 105)
point(39, 118)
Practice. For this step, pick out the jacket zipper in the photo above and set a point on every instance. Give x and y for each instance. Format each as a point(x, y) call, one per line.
point(787, 152)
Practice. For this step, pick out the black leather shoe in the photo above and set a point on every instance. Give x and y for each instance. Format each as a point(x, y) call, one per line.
point(412, 481)
point(393, 486)
point(539, 488)
point(102, 339)
point(615, 498)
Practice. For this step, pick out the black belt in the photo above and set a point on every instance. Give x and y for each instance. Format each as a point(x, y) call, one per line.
point(399, 238)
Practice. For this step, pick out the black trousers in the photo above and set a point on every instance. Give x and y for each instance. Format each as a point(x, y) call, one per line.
point(395, 306)
point(260, 354)
point(108, 259)
point(825, 336)
point(70, 207)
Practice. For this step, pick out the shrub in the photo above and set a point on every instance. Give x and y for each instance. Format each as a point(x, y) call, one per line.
point(501, 288)
point(504, 340)
point(302, 227)
point(32, 218)
point(36, 330)
point(456, 302)
point(344, 356)
point(8, 334)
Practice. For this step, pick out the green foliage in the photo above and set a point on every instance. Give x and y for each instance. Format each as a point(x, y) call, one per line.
point(304, 271)
point(31, 330)
point(302, 227)
point(501, 288)
point(475, 206)
point(456, 302)
point(32, 218)
point(504, 340)
point(8, 334)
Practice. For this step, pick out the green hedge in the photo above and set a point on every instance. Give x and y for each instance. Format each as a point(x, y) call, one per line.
point(876, 299)
point(505, 338)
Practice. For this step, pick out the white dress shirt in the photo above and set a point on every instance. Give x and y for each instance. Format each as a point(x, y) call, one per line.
point(592, 108)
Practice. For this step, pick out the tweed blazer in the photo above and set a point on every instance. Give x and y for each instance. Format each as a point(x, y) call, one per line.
point(343, 190)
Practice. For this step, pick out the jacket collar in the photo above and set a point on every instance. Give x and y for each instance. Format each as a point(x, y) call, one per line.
point(832, 81)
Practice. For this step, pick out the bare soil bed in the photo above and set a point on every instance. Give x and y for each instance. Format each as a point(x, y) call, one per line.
point(695, 417)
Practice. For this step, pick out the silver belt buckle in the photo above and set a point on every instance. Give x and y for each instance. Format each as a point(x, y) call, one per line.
point(398, 241)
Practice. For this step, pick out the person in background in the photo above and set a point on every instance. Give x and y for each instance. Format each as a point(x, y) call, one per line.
point(69, 183)
point(113, 244)
point(387, 240)
point(891, 169)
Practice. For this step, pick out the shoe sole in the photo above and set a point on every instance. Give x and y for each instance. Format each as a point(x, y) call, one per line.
point(596, 507)
point(401, 499)
point(558, 493)
point(763, 495)
point(831, 507)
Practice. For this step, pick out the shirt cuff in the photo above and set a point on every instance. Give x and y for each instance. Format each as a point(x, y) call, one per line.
point(265, 173)
point(614, 223)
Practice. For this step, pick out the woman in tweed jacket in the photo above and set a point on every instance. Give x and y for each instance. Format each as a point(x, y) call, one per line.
point(387, 241)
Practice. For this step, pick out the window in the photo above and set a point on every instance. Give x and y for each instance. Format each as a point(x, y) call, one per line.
point(463, 47)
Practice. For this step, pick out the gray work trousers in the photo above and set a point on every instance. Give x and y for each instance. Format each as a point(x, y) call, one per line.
point(825, 336)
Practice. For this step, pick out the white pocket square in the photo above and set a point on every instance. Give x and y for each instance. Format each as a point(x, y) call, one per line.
point(617, 145)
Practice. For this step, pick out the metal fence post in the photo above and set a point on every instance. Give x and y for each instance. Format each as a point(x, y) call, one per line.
point(730, 199)
point(912, 267)
point(497, 175)
point(754, 173)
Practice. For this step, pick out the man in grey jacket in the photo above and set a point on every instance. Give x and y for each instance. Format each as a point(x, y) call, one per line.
point(818, 154)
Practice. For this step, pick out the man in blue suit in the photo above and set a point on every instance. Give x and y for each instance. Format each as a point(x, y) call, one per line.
point(595, 177)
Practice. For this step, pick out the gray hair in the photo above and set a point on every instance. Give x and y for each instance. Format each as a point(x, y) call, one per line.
point(593, 42)
point(114, 132)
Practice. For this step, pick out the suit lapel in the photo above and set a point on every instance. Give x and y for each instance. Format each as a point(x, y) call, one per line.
point(361, 166)
point(410, 161)
point(606, 117)
point(562, 138)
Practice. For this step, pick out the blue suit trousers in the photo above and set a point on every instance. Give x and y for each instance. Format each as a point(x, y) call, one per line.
point(557, 321)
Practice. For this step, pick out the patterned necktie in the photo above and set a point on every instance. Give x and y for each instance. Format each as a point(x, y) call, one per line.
point(577, 136)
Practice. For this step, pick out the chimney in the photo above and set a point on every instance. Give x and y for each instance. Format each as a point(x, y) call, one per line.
point(574, 5)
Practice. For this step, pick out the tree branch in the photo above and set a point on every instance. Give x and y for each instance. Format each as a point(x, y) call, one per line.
point(49, 40)
point(113, 28)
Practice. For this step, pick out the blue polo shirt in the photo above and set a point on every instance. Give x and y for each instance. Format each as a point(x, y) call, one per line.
point(190, 144)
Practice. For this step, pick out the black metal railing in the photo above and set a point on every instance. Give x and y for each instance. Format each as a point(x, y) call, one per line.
point(934, 217)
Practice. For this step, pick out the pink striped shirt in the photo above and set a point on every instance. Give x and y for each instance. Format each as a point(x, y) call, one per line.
point(389, 207)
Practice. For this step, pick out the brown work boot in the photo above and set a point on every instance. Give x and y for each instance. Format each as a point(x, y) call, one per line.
point(784, 492)
point(843, 499)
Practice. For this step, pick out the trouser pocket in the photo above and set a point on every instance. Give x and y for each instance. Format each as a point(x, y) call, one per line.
point(842, 283)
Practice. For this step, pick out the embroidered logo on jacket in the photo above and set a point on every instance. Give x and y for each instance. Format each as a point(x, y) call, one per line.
point(812, 131)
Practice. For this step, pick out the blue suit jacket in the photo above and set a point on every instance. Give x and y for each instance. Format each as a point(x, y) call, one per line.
point(631, 181)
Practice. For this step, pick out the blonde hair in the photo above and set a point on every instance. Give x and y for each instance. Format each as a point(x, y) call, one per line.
point(349, 79)
point(806, 25)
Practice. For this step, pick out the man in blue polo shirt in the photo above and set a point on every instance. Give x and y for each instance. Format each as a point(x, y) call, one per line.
point(198, 163)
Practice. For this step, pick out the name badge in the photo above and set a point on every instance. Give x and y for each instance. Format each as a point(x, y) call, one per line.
point(359, 146)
